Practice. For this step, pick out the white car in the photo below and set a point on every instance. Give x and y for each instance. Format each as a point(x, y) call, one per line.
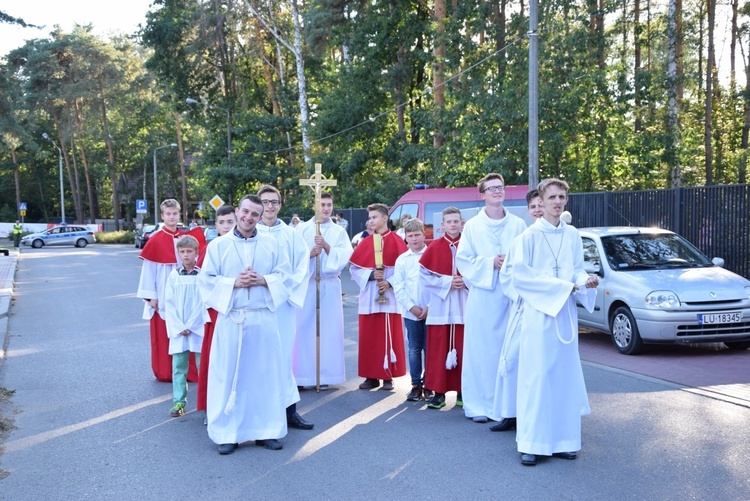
point(655, 287)
point(80, 236)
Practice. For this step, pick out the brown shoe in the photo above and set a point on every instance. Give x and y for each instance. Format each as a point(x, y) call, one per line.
point(387, 385)
point(369, 384)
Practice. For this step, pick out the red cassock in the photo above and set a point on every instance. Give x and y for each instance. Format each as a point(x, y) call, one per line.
point(379, 333)
point(208, 335)
point(160, 249)
point(439, 259)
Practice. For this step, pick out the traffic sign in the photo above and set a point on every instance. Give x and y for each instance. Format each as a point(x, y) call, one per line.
point(23, 213)
point(141, 206)
point(22, 206)
point(216, 202)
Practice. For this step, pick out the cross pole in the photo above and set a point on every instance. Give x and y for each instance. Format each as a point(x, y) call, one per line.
point(316, 182)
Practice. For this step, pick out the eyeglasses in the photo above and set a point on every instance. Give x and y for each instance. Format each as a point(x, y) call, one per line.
point(494, 189)
point(270, 202)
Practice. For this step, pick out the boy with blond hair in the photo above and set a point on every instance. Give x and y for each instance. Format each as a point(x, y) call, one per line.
point(159, 257)
point(186, 318)
point(411, 298)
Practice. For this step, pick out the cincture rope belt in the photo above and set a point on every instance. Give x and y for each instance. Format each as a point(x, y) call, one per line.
point(238, 317)
point(388, 343)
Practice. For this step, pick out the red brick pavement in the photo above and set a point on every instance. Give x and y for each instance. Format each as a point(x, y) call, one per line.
point(710, 368)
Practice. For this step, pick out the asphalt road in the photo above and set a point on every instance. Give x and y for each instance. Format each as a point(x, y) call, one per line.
point(92, 423)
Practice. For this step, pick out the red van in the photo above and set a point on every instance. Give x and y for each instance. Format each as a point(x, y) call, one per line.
point(427, 204)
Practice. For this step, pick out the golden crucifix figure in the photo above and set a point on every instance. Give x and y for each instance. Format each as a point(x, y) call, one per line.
point(317, 181)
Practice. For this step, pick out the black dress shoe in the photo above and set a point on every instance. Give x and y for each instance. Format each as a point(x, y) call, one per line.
point(528, 459)
point(369, 384)
point(294, 420)
point(505, 424)
point(269, 443)
point(565, 455)
point(227, 448)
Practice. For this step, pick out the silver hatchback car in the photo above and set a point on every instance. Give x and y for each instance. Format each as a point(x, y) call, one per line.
point(655, 287)
point(80, 236)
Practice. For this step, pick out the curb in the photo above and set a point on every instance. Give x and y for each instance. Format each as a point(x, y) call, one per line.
point(6, 294)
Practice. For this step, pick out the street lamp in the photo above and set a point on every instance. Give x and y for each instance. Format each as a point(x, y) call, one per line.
point(156, 196)
point(62, 193)
point(190, 100)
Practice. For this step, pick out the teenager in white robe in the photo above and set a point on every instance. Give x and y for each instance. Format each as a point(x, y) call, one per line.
point(484, 242)
point(246, 277)
point(548, 276)
point(334, 250)
point(504, 409)
point(297, 252)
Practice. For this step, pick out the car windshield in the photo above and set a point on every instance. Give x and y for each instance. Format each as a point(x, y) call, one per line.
point(646, 251)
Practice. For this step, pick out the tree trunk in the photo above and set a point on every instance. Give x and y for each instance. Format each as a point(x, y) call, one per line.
point(183, 177)
point(301, 85)
point(110, 159)
point(84, 159)
point(746, 125)
point(707, 130)
point(17, 181)
point(438, 76)
point(673, 130)
point(637, 93)
point(66, 161)
point(77, 200)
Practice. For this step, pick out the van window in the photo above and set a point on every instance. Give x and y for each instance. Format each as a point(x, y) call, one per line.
point(408, 209)
point(433, 211)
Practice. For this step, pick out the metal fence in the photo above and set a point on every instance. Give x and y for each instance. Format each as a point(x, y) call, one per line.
point(713, 218)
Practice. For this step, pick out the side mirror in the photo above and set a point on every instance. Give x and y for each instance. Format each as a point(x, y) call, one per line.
point(593, 268)
point(718, 262)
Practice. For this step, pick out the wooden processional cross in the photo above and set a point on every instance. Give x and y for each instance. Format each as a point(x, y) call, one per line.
point(317, 182)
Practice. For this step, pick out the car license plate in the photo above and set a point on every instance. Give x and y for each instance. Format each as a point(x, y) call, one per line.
point(728, 317)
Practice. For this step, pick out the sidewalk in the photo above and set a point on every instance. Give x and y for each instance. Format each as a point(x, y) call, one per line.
point(7, 274)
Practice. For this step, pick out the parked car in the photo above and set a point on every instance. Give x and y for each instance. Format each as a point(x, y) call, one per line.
point(210, 234)
point(142, 237)
point(80, 236)
point(655, 287)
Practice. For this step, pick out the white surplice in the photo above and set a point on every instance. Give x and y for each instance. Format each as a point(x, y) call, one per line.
point(485, 317)
point(332, 369)
point(248, 378)
point(291, 241)
point(184, 311)
point(551, 390)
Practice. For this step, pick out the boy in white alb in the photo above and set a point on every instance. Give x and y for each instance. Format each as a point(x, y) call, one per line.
point(186, 318)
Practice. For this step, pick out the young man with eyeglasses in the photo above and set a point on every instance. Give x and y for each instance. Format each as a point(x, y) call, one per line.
point(485, 240)
point(291, 242)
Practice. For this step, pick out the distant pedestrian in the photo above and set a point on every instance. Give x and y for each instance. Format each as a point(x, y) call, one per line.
point(17, 230)
point(341, 221)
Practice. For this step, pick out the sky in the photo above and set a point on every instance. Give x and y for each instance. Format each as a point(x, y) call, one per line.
point(124, 16)
point(107, 18)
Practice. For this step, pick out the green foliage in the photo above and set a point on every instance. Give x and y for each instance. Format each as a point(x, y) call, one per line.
point(376, 123)
point(115, 237)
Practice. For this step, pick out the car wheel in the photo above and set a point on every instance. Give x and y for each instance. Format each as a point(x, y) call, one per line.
point(625, 334)
point(81, 242)
point(737, 345)
point(37, 244)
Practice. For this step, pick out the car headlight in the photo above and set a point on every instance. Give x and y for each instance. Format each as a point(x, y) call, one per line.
point(747, 290)
point(662, 299)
